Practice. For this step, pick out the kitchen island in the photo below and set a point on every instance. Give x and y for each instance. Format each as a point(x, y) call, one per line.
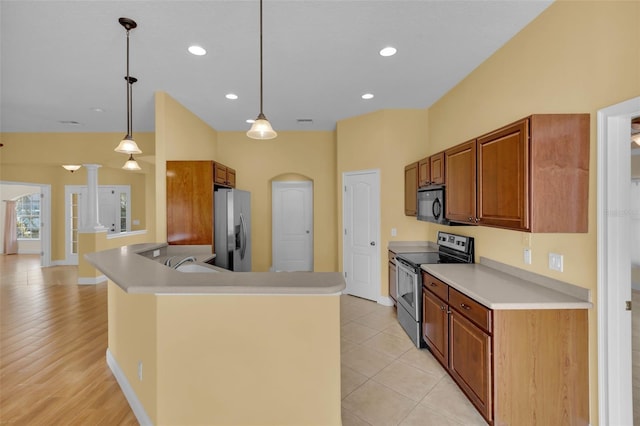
point(227, 348)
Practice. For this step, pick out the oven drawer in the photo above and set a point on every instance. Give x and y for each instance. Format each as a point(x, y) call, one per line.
point(474, 311)
point(435, 286)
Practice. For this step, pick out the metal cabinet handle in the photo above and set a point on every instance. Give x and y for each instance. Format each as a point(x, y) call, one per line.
point(464, 306)
point(432, 284)
point(373, 243)
point(442, 308)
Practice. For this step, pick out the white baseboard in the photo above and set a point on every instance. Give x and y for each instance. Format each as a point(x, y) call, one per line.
point(129, 393)
point(92, 281)
point(385, 301)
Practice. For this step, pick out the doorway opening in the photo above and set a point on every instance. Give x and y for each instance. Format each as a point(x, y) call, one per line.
point(614, 262)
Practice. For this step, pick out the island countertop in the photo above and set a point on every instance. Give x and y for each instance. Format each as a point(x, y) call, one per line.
point(136, 273)
point(499, 290)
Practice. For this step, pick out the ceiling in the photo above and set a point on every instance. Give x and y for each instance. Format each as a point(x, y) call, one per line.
point(63, 62)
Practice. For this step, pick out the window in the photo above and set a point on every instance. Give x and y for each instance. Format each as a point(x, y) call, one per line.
point(28, 217)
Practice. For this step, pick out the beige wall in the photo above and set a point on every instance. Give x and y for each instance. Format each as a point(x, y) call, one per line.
point(310, 156)
point(38, 158)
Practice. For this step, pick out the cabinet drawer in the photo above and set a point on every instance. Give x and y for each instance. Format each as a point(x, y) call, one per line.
point(435, 286)
point(474, 311)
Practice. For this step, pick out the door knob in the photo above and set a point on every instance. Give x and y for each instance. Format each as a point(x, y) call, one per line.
point(373, 243)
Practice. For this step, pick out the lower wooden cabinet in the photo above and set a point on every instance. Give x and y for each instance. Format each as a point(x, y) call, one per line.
point(470, 361)
point(517, 367)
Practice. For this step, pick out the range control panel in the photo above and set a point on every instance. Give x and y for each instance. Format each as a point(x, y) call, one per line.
point(455, 242)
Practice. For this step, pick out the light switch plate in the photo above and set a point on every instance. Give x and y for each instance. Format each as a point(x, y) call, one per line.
point(555, 262)
point(527, 256)
point(394, 232)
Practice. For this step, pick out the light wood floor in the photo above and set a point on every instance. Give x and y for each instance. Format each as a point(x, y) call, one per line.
point(53, 338)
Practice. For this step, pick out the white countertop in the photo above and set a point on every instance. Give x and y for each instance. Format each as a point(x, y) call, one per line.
point(499, 290)
point(136, 273)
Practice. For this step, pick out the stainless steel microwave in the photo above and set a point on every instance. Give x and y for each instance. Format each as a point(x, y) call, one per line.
point(431, 204)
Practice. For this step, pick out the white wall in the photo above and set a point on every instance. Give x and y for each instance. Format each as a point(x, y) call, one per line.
point(13, 192)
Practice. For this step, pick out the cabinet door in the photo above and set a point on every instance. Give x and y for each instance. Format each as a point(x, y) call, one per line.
point(435, 326)
point(190, 202)
point(460, 175)
point(437, 168)
point(411, 189)
point(231, 177)
point(393, 290)
point(470, 361)
point(220, 176)
point(503, 177)
point(424, 172)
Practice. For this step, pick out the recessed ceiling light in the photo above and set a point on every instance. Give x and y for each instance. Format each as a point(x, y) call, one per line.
point(250, 120)
point(388, 51)
point(197, 50)
point(97, 109)
point(69, 122)
point(367, 96)
point(231, 96)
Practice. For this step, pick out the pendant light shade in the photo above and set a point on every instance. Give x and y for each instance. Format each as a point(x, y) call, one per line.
point(128, 145)
point(261, 128)
point(131, 164)
point(636, 138)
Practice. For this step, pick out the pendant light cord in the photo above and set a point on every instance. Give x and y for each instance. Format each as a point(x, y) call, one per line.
point(261, 58)
point(128, 92)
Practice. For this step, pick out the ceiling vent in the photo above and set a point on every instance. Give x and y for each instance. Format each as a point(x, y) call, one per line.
point(304, 121)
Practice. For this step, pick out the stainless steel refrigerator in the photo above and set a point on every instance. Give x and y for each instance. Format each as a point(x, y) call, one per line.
point(232, 229)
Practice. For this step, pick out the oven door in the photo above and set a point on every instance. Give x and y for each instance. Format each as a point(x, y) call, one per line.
point(407, 281)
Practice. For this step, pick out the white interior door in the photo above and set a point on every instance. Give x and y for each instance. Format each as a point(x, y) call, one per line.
point(361, 236)
point(292, 225)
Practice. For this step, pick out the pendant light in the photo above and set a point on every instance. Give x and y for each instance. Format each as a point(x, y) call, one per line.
point(131, 164)
point(128, 145)
point(261, 128)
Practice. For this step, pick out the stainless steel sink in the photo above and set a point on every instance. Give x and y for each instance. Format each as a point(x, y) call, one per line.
point(193, 267)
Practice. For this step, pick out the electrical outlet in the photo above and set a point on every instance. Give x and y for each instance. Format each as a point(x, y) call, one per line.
point(527, 256)
point(555, 262)
point(394, 232)
point(156, 253)
point(140, 370)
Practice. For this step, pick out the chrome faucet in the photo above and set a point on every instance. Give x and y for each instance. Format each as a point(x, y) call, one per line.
point(167, 262)
point(186, 259)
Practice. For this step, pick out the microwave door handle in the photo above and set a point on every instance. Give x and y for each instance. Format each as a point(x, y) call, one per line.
point(436, 208)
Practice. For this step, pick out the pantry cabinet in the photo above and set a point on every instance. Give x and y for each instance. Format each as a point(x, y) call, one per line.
point(531, 175)
point(190, 187)
point(411, 189)
point(517, 367)
point(190, 202)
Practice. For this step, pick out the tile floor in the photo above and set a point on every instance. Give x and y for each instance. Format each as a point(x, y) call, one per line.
point(388, 381)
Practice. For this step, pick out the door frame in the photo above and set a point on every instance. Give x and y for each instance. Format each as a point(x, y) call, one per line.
point(614, 271)
point(307, 185)
point(45, 219)
point(378, 258)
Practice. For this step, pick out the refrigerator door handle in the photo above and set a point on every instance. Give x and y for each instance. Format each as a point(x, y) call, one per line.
point(243, 237)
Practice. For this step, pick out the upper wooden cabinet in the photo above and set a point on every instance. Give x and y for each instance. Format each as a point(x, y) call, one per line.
point(437, 168)
point(190, 202)
point(460, 176)
point(531, 175)
point(411, 189)
point(224, 176)
point(431, 170)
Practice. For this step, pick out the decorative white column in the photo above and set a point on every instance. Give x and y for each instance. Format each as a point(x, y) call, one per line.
point(92, 218)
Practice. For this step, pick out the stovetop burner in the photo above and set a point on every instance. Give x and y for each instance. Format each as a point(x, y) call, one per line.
point(420, 258)
point(451, 249)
